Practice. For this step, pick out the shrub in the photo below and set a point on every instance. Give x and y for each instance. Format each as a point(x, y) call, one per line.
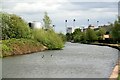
point(83, 37)
point(63, 37)
point(116, 32)
point(5, 50)
point(14, 26)
point(91, 35)
point(48, 38)
point(77, 35)
point(69, 36)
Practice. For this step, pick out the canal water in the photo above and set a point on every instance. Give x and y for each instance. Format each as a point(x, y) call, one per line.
point(74, 61)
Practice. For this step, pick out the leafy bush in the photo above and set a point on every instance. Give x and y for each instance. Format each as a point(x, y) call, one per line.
point(14, 26)
point(83, 37)
point(5, 50)
point(63, 37)
point(100, 33)
point(69, 36)
point(77, 35)
point(48, 38)
point(91, 35)
point(116, 31)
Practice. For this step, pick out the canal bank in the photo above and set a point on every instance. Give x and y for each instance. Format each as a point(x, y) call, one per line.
point(14, 47)
point(116, 46)
point(74, 61)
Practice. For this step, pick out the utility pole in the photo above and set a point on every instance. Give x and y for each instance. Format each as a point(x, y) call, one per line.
point(88, 22)
point(74, 23)
point(66, 25)
point(97, 23)
point(54, 27)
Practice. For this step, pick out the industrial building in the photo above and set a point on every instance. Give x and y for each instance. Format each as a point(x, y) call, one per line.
point(69, 30)
point(35, 25)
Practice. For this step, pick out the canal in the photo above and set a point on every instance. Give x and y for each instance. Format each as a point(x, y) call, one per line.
point(74, 61)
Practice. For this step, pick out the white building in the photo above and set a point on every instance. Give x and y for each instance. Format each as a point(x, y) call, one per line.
point(70, 30)
point(35, 25)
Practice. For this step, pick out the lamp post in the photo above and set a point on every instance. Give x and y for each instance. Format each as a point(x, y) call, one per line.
point(54, 27)
point(66, 25)
point(74, 22)
point(73, 25)
point(97, 23)
point(88, 21)
point(83, 29)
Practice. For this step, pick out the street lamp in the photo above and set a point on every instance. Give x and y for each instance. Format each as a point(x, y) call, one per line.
point(54, 27)
point(88, 21)
point(74, 22)
point(66, 23)
point(97, 23)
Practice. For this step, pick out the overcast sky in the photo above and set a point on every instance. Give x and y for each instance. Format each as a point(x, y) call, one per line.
point(60, 10)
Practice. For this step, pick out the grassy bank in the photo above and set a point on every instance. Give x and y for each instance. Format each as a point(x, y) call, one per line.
point(20, 38)
point(117, 46)
point(39, 39)
point(48, 38)
point(20, 46)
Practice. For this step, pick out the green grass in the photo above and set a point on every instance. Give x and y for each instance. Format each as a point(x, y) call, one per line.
point(48, 38)
point(9, 47)
point(39, 38)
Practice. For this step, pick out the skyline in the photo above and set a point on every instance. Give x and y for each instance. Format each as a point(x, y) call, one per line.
point(59, 11)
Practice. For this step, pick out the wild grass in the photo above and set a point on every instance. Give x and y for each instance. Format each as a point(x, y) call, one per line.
point(20, 46)
point(48, 38)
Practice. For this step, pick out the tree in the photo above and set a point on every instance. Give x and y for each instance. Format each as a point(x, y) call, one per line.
point(47, 21)
point(63, 37)
point(83, 37)
point(100, 33)
point(91, 35)
point(119, 19)
point(77, 35)
point(69, 36)
point(116, 31)
point(14, 26)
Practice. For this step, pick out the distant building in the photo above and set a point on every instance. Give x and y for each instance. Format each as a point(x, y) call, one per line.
point(106, 36)
point(84, 29)
point(96, 29)
point(107, 27)
point(91, 27)
point(69, 30)
point(35, 25)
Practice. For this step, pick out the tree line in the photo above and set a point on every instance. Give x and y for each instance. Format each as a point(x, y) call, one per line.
point(91, 35)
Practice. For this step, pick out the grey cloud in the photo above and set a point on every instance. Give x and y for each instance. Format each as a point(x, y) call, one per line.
point(96, 4)
point(70, 7)
point(84, 6)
